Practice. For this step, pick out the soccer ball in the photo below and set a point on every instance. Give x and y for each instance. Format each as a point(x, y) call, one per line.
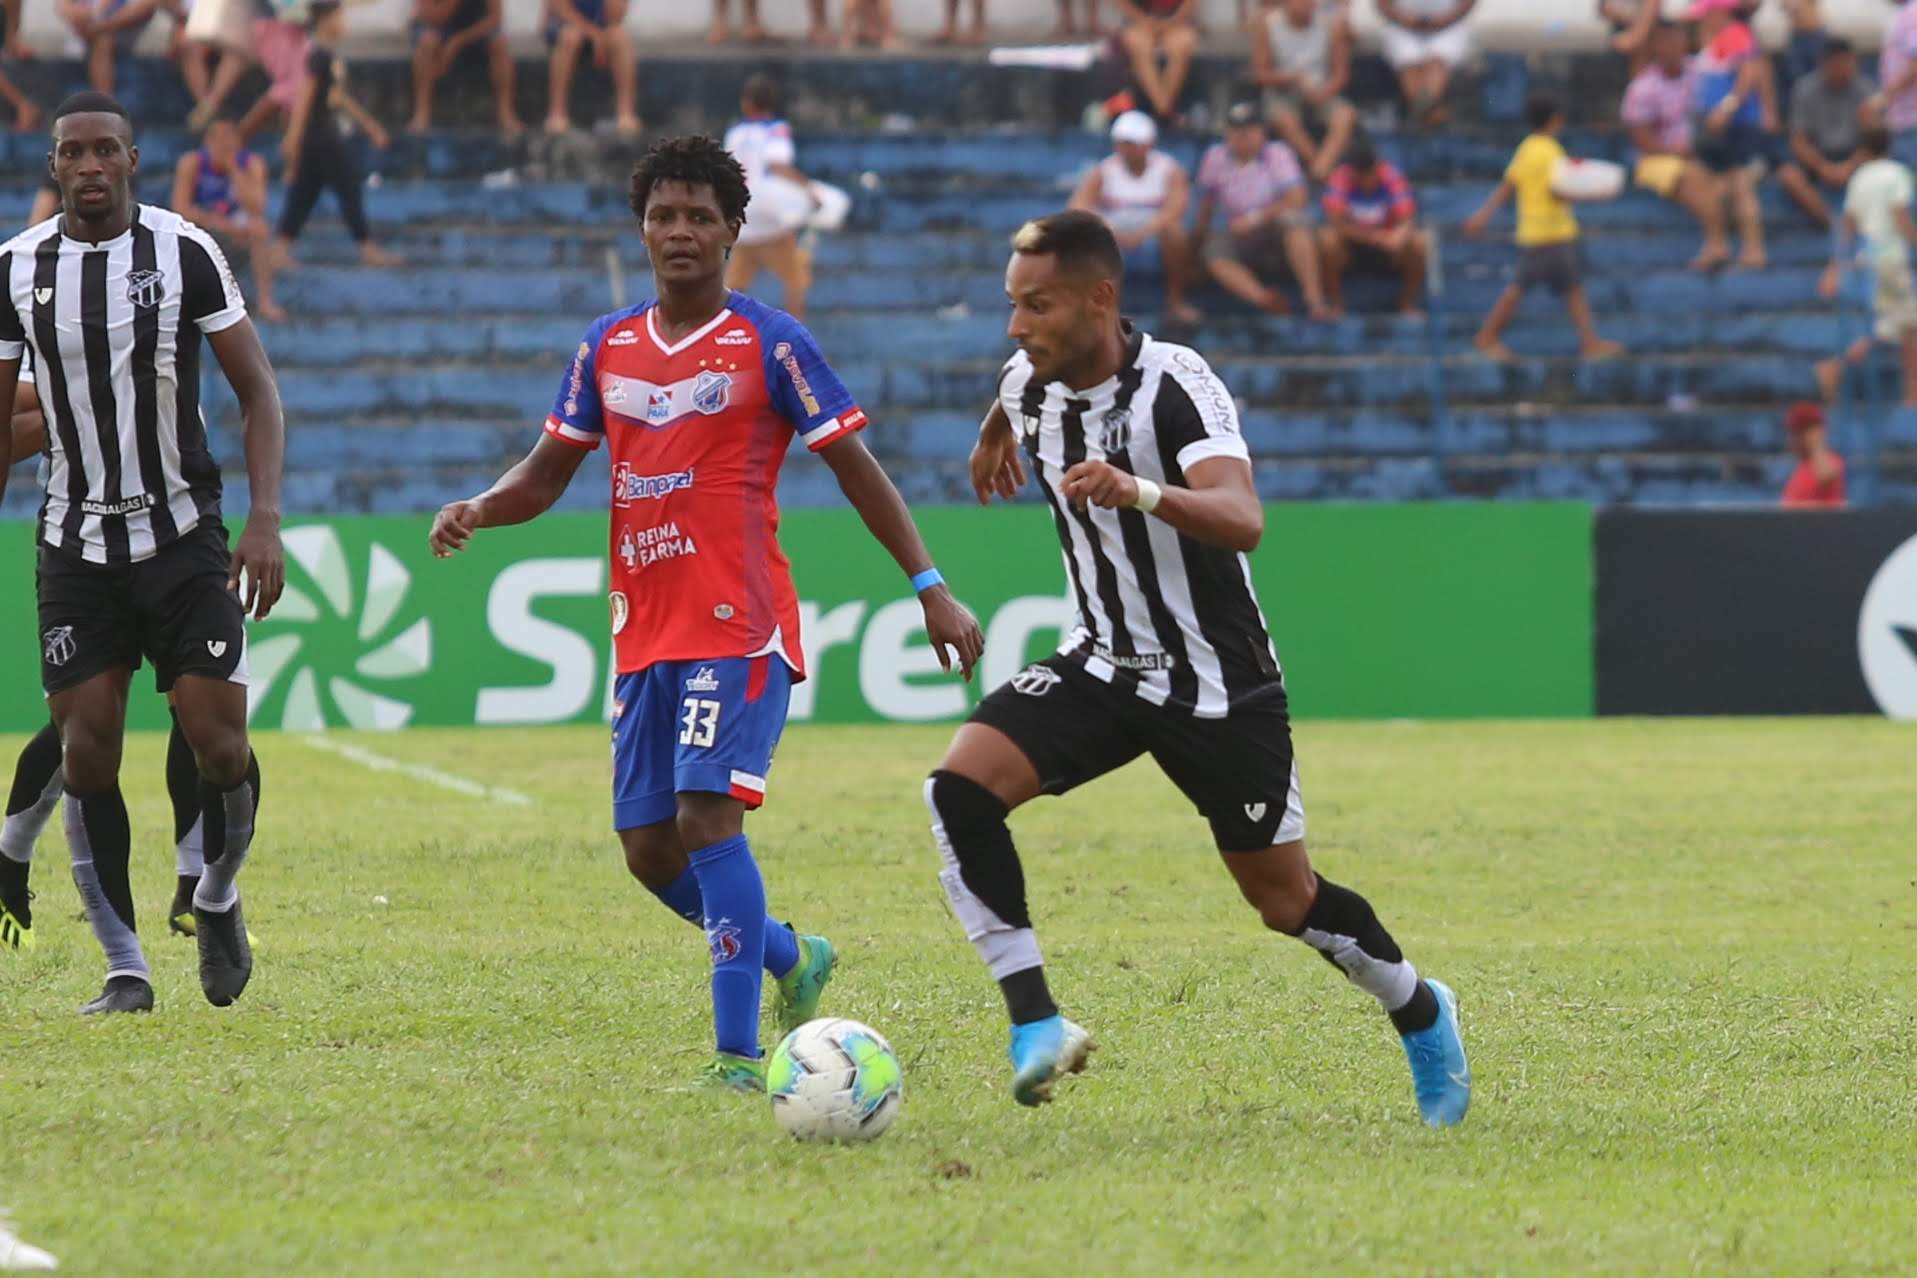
point(836, 1080)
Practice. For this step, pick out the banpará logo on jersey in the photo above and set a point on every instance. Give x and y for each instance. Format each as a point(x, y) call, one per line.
point(711, 392)
point(145, 289)
point(1036, 681)
point(628, 487)
point(1115, 430)
point(807, 400)
point(57, 644)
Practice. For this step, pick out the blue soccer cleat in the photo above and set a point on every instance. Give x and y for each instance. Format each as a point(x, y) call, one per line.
point(1440, 1075)
point(1041, 1052)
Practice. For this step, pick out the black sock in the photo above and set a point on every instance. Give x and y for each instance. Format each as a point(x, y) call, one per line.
point(1342, 926)
point(39, 761)
point(110, 836)
point(182, 779)
point(1420, 1013)
point(1026, 997)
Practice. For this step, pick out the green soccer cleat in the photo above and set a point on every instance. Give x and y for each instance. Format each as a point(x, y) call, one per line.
point(734, 1074)
point(16, 921)
point(799, 989)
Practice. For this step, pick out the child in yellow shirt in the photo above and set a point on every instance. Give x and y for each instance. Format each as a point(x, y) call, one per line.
point(1548, 251)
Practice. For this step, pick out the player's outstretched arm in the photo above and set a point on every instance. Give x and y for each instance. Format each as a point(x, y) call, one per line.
point(948, 623)
point(258, 558)
point(525, 492)
point(1218, 505)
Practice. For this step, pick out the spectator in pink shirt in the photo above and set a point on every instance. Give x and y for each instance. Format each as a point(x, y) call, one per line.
point(1267, 216)
point(1373, 224)
point(1657, 112)
point(1896, 102)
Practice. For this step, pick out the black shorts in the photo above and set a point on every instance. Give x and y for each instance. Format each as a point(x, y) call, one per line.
point(1559, 267)
point(173, 609)
point(1238, 771)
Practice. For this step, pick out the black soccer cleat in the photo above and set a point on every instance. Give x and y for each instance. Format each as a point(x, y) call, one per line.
point(179, 915)
point(226, 957)
point(16, 905)
point(122, 994)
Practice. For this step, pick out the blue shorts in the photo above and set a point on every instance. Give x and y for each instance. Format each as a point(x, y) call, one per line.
point(708, 726)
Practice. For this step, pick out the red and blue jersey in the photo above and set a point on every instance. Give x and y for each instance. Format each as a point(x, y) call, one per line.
point(698, 430)
point(1382, 205)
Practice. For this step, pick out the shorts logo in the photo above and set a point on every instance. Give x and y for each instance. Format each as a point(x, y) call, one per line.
point(711, 392)
point(144, 289)
point(723, 939)
point(217, 647)
point(59, 646)
point(704, 681)
point(1255, 811)
point(1036, 681)
point(624, 337)
point(620, 611)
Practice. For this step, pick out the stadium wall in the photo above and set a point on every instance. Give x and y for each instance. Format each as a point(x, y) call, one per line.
point(1418, 611)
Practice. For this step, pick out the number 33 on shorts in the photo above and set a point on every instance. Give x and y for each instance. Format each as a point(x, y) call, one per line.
point(695, 726)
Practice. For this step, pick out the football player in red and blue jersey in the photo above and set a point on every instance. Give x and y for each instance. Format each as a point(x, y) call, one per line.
point(699, 393)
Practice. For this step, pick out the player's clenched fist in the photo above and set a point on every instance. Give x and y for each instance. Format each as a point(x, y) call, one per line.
point(1100, 484)
point(453, 526)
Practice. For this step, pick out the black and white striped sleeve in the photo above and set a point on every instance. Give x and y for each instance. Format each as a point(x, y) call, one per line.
point(210, 295)
point(13, 336)
point(1196, 418)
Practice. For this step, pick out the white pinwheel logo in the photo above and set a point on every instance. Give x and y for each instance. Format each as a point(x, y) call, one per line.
point(309, 662)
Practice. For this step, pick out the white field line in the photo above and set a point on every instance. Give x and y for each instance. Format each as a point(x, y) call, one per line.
point(419, 772)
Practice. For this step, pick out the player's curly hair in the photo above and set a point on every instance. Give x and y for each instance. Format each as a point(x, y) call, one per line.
point(696, 160)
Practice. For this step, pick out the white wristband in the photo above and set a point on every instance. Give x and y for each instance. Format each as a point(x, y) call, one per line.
point(1149, 495)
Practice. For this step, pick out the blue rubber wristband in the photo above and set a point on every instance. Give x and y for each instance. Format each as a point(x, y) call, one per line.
point(924, 581)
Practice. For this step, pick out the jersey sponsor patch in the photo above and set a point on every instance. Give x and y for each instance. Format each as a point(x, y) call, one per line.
point(790, 362)
point(628, 487)
point(650, 545)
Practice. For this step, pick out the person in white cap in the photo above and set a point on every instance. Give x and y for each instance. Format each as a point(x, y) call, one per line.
point(1143, 195)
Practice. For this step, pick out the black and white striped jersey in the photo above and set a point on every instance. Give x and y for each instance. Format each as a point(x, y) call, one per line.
point(1173, 619)
point(115, 332)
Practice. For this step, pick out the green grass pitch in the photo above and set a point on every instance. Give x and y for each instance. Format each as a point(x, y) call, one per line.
point(1686, 953)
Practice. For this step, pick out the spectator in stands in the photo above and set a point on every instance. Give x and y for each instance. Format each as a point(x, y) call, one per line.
point(1896, 101)
point(316, 156)
point(26, 116)
point(1424, 41)
point(1657, 111)
point(221, 186)
point(781, 197)
point(1067, 29)
point(1818, 479)
point(1877, 210)
point(1548, 250)
point(1267, 216)
point(869, 25)
point(1804, 51)
point(1143, 194)
point(753, 31)
point(107, 29)
point(950, 33)
point(1727, 95)
point(1827, 123)
point(1372, 222)
point(1155, 30)
point(445, 29)
point(1631, 23)
point(573, 26)
point(1301, 58)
